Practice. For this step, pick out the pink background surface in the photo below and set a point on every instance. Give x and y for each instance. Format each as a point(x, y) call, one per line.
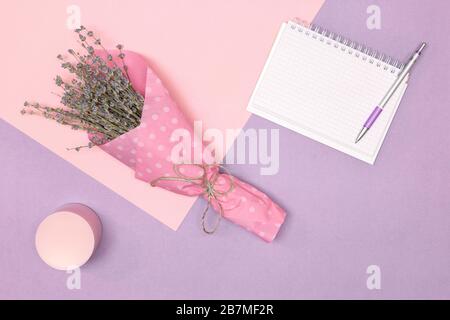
point(208, 53)
point(343, 215)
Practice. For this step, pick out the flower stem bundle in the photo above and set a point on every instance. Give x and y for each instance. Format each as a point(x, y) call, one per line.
point(98, 98)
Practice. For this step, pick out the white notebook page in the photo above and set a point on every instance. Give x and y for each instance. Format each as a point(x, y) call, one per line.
point(325, 93)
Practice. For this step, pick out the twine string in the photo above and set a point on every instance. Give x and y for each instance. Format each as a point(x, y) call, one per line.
point(207, 184)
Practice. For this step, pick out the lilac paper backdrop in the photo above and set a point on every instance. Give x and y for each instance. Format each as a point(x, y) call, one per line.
point(344, 215)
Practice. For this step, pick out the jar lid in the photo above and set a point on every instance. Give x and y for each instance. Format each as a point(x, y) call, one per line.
point(66, 239)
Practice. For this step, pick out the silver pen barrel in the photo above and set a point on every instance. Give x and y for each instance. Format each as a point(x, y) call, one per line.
point(402, 76)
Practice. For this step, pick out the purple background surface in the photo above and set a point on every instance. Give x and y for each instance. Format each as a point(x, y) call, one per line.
point(344, 215)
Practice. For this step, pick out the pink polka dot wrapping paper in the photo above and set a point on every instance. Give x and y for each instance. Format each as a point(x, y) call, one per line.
point(147, 150)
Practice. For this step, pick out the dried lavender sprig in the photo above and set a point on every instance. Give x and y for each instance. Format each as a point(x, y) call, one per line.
point(137, 111)
point(65, 117)
point(100, 98)
point(122, 57)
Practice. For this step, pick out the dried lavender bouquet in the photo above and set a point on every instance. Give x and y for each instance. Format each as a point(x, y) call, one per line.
point(98, 97)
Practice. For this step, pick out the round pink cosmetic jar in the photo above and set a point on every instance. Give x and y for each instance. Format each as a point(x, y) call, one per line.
point(66, 239)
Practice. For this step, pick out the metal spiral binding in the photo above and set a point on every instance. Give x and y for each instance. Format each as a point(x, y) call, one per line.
point(354, 48)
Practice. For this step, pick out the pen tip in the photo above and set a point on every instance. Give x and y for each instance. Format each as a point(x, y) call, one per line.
point(361, 134)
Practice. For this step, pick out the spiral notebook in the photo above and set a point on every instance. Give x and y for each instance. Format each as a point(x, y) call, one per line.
point(324, 86)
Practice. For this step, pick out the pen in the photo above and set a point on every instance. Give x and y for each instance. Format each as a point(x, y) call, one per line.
point(376, 112)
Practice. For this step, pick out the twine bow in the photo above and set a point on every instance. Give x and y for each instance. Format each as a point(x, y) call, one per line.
point(207, 185)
